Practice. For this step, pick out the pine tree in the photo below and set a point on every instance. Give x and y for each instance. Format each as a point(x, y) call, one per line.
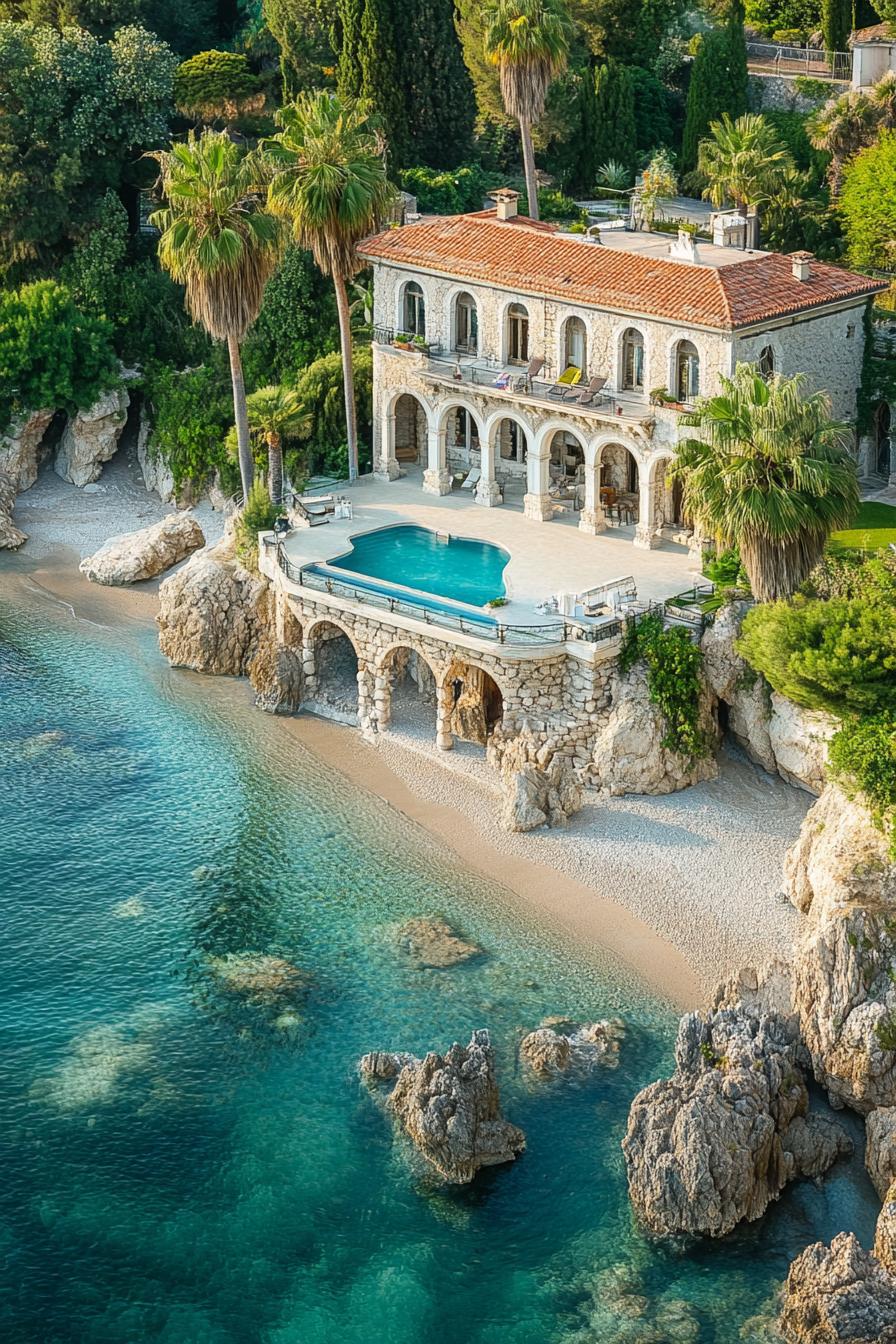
point(614, 116)
point(438, 93)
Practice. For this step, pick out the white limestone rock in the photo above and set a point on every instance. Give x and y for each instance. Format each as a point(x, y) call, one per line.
point(885, 1233)
point(841, 859)
point(838, 1295)
point(157, 475)
point(21, 447)
point(880, 1148)
point(91, 437)
point(539, 784)
point(144, 554)
point(628, 755)
point(211, 613)
point(799, 742)
point(717, 1142)
point(10, 535)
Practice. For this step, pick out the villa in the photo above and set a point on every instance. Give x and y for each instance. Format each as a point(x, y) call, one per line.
point(528, 389)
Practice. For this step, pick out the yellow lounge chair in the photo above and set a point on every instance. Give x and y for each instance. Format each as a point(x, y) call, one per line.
point(568, 378)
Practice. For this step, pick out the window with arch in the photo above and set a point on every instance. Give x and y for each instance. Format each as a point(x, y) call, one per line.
point(766, 362)
point(633, 360)
point(575, 344)
point(413, 310)
point(517, 334)
point(466, 324)
point(687, 371)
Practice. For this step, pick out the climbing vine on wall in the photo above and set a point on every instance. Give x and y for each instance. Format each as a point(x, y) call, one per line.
point(673, 663)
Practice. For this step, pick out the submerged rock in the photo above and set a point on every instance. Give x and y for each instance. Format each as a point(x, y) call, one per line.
point(838, 1295)
point(146, 553)
point(98, 1061)
point(716, 1142)
point(432, 942)
point(91, 437)
point(449, 1108)
point(548, 1050)
point(257, 975)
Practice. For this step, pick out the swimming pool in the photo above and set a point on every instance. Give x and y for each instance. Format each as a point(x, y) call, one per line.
point(456, 568)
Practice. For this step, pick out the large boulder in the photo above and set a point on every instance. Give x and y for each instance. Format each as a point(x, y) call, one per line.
point(841, 874)
point(880, 1148)
point(719, 1140)
point(628, 754)
point(91, 438)
point(21, 447)
point(144, 554)
point(448, 1107)
point(538, 783)
point(557, 1046)
point(799, 742)
point(885, 1236)
point(10, 535)
point(212, 613)
point(157, 475)
point(838, 1295)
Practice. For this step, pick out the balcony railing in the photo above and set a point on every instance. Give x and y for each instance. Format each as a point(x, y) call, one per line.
point(550, 632)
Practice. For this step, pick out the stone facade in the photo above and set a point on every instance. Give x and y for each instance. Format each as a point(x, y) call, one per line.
point(827, 347)
point(779, 93)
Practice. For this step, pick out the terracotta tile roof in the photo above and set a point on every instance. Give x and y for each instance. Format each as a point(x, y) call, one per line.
point(532, 260)
point(878, 32)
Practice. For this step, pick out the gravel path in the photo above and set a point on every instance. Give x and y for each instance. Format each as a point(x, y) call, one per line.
point(701, 867)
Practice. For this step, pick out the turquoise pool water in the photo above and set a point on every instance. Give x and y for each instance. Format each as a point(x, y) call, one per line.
point(416, 557)
point(184, 1167)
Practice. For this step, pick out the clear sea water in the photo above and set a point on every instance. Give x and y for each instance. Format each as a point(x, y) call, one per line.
point(185, 1167)
point(458, 568)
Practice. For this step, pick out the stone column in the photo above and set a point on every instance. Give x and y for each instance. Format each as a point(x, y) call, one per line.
point(488, 491)
point(382, 700)
point(309, 670)
point(367, 720)
point(386, 463)
point(537, 502)
point(592, 518)
point(436, 477)
point(645, 532)
point(444, 712)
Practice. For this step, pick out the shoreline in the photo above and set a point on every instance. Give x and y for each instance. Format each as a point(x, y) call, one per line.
point(666, 941)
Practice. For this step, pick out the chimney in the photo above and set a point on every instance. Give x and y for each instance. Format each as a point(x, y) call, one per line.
point(800, 262)
point(684, 248)
point(505, 202)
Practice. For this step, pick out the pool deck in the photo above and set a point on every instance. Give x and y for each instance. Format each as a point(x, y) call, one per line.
point(545, 558)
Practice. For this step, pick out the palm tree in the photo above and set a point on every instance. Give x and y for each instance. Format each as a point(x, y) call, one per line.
point(529, 42)
point(852, 122)
point(222, 245)
point(276, 412)
point(772, 474)
point(743, 161)
point(329, 179)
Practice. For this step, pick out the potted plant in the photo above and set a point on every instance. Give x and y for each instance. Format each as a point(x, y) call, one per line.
point(421, 344)
point(402, 340)
point(660, 396)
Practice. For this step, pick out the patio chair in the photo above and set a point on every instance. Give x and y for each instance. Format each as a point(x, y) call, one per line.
point(567, 380)
point(533, 369)
point(587, 394)
point(472, 479)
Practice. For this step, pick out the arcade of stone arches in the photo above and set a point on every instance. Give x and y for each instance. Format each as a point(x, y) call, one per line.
point(606, 479)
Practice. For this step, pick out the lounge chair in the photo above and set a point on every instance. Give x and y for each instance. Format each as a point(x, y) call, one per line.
point(586, 395)
point(568, 379)
point(310, 515)
point(472, 479)
point(533, 369)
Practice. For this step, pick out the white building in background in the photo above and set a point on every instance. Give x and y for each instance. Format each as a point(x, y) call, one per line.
point(873, 54)
point(550, 363)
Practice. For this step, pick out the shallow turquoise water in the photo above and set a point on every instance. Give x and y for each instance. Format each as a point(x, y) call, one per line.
point(179, 1166)
point(460, 569)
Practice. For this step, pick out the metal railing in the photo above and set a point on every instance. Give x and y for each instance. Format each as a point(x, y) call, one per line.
point(812, 61)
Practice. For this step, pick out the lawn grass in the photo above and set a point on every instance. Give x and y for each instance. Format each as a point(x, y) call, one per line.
point(874, 528)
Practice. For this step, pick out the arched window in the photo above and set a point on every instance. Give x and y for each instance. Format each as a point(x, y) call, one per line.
point(413, 317)
point(633, 360)
point(466, 324)
point(766, 362)
point(687, 371)
point(517, 334)
point(575, 345)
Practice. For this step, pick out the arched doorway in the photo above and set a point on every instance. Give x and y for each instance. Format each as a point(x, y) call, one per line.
point(335, 662)
point(410, 429)
point(882, 435)
point(567, 459)
point(462, 442)
point(511, 455)
point(620, 484)
point(473, 705)
point(668, 496)
point(411, 693)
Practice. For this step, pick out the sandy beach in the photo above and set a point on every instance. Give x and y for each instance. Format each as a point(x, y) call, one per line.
point(683, 888)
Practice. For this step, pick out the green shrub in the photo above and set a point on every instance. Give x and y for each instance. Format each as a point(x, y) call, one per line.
point(837, 655)
point(51, 353)
point(191, 412)
point(258, 515)
point(817, 90)
point(862, 756)
point(296, 325)
point(673, 678)
point(452, 192)
point(216, 84)
point(320, 388)
point(724, 569)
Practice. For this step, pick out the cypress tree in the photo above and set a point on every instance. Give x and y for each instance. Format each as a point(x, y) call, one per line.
point(614, 116)
point(738, 74)
point(347, 42)
point(438, 93)
point(836, 24)
point(718, 84)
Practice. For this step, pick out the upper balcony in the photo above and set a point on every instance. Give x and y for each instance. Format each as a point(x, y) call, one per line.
point(512, 383)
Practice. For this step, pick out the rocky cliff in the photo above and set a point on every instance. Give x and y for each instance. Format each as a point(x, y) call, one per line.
point(22, 447)
point(10, 535)
point(839, 1294)
point(91, 438)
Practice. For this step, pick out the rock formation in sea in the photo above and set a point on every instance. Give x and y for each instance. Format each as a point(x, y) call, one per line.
point(10, 535)
point(90, 438)
point(538, 783)
point(257, 975)
point(431, 942)
point(146, 553)
point(628, 753)
point(880, 1148)
point(718, 1141)
point(449, 1108)
point(780, 736)
point(557, 1045)
point(838, 1294)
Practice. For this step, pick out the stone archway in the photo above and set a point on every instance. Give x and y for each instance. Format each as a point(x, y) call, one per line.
point(406, 692)
point(472, 705)
point(331, 671)
point(409, 430)
point(667, 496)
